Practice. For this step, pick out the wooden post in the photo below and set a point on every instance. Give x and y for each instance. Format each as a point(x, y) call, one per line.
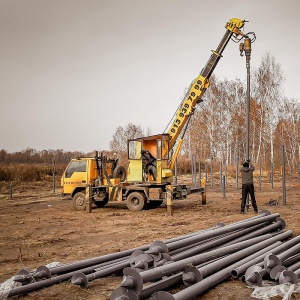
point(11, 190)
point(211, 172)
point(53, 176)
point(200, 175)
point(224, 187)
point(169, 189)
point(272, 175)
point(236, 170)
point(283, 176)
point(203, 198)
point(88, 198)
point(260, 174)
point(221, 176)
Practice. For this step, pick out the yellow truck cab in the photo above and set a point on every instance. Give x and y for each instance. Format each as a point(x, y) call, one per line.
point(82, 172)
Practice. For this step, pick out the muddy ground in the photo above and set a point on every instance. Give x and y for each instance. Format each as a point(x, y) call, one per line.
point(39, 227)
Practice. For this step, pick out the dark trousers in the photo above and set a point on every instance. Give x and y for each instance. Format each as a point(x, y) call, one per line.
point(248, 188)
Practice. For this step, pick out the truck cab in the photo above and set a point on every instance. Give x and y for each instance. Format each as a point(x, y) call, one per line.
point(148, 159)
point(79, 173)
point(97, 172)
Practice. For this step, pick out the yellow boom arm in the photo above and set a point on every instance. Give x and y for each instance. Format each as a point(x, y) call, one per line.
point(201, 83)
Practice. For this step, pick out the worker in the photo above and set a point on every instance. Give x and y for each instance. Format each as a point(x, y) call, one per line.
point(247, 185)
point(149, 163)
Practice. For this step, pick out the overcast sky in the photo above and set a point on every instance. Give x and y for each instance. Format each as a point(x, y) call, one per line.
point(72, 71)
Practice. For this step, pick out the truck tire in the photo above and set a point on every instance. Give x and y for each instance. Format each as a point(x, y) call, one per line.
point(102, 203)
point(120, 172)
point(79, 201)
point(136, 201)
point(154, 204)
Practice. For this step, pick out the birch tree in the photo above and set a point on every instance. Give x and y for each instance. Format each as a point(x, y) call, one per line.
point(267, 90)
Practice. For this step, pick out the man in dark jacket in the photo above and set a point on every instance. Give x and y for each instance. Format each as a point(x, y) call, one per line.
point(149, 163)
point(247, 185)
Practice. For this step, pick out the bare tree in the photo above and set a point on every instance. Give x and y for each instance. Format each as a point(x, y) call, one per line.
point(122, 134)
point(288, 128)
point(267, 87)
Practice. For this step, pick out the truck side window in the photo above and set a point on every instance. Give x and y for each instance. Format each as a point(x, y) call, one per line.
point(76, 166)
point(134, 149)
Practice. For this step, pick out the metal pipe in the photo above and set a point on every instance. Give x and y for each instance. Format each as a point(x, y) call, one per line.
point(134, 280)
point(202, 272)
point(82, 279)
point(222, 230)
point(273, 260)
point(57, 279)
point(26, 276)
point(203, 245)
point(291, 260)
point(187, 247)
point(294, 267)
point(278, 225)
point(247, 47)
point(165, 283)
point(216, 242)
point(92, 261)
point(201, 286)
point(79, 278)
point(42, 271)
point(242, 269)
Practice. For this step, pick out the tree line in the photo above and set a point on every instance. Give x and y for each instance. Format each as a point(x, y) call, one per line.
point(32, 156)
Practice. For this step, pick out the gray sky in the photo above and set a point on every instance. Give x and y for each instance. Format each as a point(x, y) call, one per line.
point(72, 71)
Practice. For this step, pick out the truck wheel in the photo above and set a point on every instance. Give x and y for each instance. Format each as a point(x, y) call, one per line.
point(154, 204)
point(79, 201)
point(102, 203)
point(136, 201)
point(120, 172)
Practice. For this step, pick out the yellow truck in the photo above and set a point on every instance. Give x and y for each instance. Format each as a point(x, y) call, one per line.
point(141, 185)
point(148, 179)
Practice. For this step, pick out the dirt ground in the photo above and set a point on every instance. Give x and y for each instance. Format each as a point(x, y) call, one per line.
point(39, 227)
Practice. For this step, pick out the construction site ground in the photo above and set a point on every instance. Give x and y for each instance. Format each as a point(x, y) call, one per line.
point(39, 227)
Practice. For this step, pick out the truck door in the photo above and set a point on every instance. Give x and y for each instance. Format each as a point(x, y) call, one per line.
point(75, 176)
point(135, 164)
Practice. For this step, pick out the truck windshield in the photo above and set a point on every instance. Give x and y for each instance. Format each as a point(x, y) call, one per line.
point(76, 166)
